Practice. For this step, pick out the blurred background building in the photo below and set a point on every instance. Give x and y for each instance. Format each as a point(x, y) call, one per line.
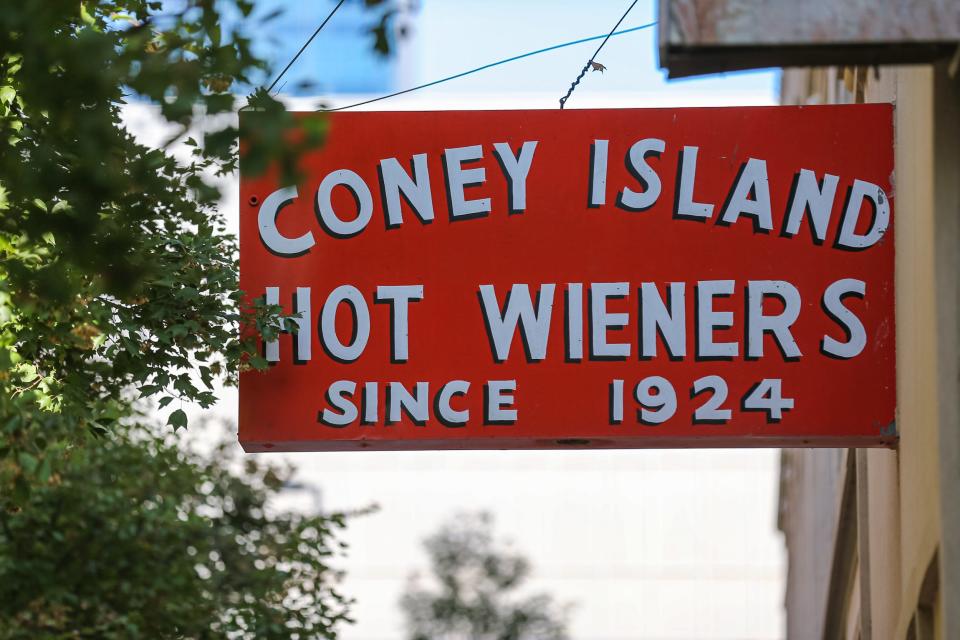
point(873, 536)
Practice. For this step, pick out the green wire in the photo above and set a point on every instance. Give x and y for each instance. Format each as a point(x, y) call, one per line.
point(494, 64)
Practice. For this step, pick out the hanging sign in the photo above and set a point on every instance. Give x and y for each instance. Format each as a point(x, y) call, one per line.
point(706, 277)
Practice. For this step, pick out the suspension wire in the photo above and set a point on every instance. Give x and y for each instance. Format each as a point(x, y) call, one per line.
point(499, 62)
point(305, 45)
point(583, 72)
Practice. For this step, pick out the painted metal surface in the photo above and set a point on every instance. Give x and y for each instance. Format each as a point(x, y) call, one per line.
point(590, 278)
point(707, 36)
point(785, 22)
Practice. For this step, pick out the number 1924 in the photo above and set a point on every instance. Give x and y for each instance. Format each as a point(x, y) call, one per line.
point(656, 398)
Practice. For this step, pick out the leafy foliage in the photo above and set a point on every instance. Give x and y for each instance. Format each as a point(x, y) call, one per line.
point(476, 579)
point(117, 278)
point(118, 282)
point(115, 271)
point(137, 539)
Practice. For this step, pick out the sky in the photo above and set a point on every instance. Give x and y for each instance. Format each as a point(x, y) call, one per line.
point(645, 545)
point(341, 61)
point(447, 37)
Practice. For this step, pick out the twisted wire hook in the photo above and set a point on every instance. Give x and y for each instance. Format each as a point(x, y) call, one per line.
point(586, 67)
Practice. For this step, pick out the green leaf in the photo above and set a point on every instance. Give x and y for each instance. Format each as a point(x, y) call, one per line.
point(177, 419)
point(148, 390)
point(85, 16)
point(44, 472)
point(97, 429)
point(259, 363)
point(28, 462)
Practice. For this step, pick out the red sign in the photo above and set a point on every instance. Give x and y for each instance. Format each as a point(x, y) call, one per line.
point(588, 278)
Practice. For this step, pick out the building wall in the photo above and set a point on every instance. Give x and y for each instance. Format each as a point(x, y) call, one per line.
point(810, 485)
point(884, 523)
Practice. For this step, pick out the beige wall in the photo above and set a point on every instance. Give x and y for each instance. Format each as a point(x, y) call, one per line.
point(947, 247)
point(810, 485)
point(895, 518)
